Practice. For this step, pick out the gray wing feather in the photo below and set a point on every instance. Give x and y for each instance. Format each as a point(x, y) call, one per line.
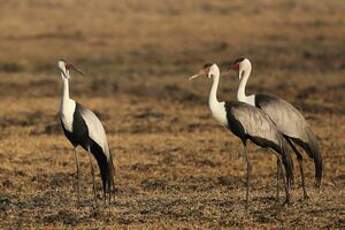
point(256, 123)
point(96, 129)
point(286, 117)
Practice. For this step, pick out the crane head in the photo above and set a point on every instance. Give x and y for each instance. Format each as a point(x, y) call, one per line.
point(207, 70)
point(240, 65)
point(66, 67)
point(235, 65)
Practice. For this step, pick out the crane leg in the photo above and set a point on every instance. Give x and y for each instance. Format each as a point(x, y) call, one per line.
point(283, 174)
point(110, 190)
point(277, 181)
point(105, 194)
point(300, 163)
point(78, 174)
point(93, 178)
point(248, 167)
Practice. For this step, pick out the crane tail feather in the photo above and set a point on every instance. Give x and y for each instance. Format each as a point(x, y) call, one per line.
point(111, 173)
point(288, 163)
point(287, 160)
point(313, 150)
point(106, 168)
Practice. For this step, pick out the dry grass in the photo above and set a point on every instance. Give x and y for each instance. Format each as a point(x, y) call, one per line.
point(176, 168)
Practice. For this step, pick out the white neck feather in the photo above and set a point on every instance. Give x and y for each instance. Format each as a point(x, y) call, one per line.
point(217, 108)
point(241, 92)
point(64, 89)
point(67, 106)
point(212, 100)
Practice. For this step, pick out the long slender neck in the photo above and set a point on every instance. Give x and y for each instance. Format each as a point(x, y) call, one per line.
point(217, 108)
point(241, 92)
point(64, 91)
point(213, 94)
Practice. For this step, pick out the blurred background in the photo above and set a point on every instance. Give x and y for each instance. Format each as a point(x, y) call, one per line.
point(176, 166)
point(142, 42)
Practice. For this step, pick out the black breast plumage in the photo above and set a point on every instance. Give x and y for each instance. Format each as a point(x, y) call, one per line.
point(79, 134)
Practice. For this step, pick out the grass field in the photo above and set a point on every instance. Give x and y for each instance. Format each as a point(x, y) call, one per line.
point(176, 167)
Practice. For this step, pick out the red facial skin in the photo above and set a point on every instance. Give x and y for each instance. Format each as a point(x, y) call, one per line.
point(68, 66)
point(235, 66)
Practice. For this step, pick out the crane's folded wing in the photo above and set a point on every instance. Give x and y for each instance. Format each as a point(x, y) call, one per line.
point(95, 127)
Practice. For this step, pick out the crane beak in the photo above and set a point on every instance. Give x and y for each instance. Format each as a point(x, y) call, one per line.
point(201, 72)
point(194, 76)
point(71, 66)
